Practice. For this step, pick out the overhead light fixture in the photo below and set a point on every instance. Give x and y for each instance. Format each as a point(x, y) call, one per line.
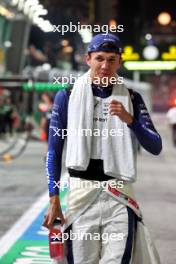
point(38, 20)
point(164, 18)
point(41, 12)
point(45, 25)
point(150, 65)
point(86, 35)
point(27, 5)
point(33, 9)
point(7, 44)
point(112, 24)
point(150, 52)
point(148, 36)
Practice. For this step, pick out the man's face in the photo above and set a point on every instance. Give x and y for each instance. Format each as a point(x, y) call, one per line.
point(103, 64)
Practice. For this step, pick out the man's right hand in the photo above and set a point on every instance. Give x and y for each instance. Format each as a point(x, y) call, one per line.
point(54, 211)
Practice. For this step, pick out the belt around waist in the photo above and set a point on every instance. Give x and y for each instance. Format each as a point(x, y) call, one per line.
point(89, 176)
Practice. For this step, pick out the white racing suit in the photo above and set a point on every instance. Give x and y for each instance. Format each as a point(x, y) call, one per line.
point(105, 226)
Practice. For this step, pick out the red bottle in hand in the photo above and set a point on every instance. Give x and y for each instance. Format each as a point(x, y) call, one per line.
point(56, 245)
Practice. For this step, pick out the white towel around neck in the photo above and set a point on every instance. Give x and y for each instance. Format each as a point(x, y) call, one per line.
point(119, 159)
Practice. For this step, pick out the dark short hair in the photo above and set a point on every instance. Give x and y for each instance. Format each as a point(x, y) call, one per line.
point(108, 47)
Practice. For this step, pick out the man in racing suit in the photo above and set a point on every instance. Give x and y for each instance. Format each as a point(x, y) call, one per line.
point(108, 212)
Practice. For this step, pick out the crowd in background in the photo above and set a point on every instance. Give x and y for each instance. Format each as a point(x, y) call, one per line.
point(9, 118)
point(13, 120)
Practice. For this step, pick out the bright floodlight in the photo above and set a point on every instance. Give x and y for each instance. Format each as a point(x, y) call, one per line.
point(86, 35)
point(164, 18)
point(33, 9)
point(41, 12)
point(7, 44)
point(112, 24)
point(148, 36)
point(150, 52)
point(28, 4)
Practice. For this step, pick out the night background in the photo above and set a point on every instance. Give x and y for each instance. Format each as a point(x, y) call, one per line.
point(33, 54)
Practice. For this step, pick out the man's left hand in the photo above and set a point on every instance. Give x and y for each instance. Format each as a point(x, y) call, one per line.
point(117, 108)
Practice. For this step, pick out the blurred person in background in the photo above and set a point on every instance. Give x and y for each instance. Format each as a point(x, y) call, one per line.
point(35, 57)
point(2, 117)
point(171, 115)
point(10, 114)
point(49, 53)
point(46, 108)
